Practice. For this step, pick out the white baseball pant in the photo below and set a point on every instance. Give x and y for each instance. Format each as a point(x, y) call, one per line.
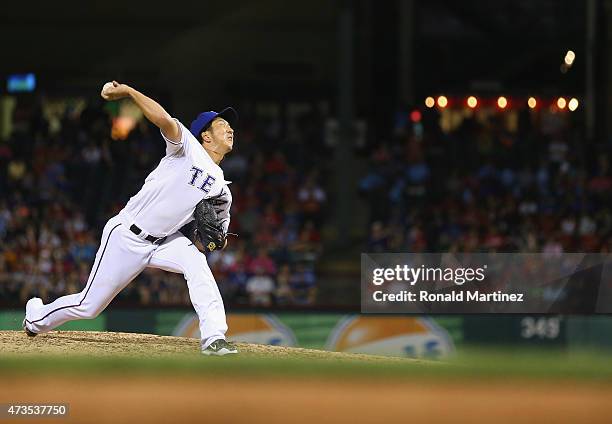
point(122, 255)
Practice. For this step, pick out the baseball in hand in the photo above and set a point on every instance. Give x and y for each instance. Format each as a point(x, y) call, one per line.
point(105, 90)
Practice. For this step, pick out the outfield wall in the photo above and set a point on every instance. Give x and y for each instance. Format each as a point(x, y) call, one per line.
point(419, 336)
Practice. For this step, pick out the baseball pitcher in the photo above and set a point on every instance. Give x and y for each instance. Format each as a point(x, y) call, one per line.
point(187, 184)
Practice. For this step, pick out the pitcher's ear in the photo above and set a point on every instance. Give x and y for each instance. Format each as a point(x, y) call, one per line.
point(205, 137)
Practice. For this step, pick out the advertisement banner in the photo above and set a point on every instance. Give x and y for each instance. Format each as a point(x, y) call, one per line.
point(393, 336)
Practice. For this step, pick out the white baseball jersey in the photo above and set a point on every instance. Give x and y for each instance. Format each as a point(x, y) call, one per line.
point(186, 175)
point(164, 204)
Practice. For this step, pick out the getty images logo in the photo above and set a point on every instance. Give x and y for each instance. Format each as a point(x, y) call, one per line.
point(412, 276)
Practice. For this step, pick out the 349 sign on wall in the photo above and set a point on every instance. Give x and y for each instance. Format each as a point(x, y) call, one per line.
point(541, 328)
point(548, 330)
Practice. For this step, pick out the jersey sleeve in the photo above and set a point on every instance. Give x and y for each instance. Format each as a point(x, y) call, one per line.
point(180, 148)
point(223, 203)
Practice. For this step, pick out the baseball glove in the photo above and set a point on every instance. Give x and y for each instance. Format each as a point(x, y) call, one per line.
point(207, 229)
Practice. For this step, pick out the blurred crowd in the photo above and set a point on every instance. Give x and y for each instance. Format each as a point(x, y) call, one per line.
point(533, 186)
point(530, 185)
point(62, 177)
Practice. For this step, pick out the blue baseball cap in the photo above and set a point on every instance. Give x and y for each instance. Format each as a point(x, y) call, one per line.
point(202, 122)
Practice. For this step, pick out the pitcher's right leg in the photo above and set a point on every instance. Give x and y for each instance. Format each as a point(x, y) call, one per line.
point(120, 258)
point(178, 254)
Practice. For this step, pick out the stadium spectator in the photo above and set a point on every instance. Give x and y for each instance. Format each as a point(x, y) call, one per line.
point(303, 285)
point(283, 294)
point(260, 288)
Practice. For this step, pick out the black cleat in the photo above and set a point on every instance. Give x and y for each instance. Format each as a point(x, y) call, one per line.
point(220, 348)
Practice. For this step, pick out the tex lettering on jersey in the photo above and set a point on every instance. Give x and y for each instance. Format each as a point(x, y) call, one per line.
point(204, 184)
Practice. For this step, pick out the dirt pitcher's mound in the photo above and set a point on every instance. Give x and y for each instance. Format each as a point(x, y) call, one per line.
point(99, 343)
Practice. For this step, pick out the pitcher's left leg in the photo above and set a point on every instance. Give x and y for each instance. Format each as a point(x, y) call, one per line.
point(120, 258)
point(178, 254)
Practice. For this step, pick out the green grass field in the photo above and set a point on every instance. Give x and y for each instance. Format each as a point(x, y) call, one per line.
point(532, 365)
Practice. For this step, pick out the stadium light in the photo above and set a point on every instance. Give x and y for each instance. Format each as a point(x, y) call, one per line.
point(532, 103)
point(430, 102)
point(573, 104)
point(472, 102)
point(442, 101)
point(502, 102)
point(561, 103)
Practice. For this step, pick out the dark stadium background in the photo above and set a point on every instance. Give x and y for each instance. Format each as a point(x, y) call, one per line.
point(337, 152)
